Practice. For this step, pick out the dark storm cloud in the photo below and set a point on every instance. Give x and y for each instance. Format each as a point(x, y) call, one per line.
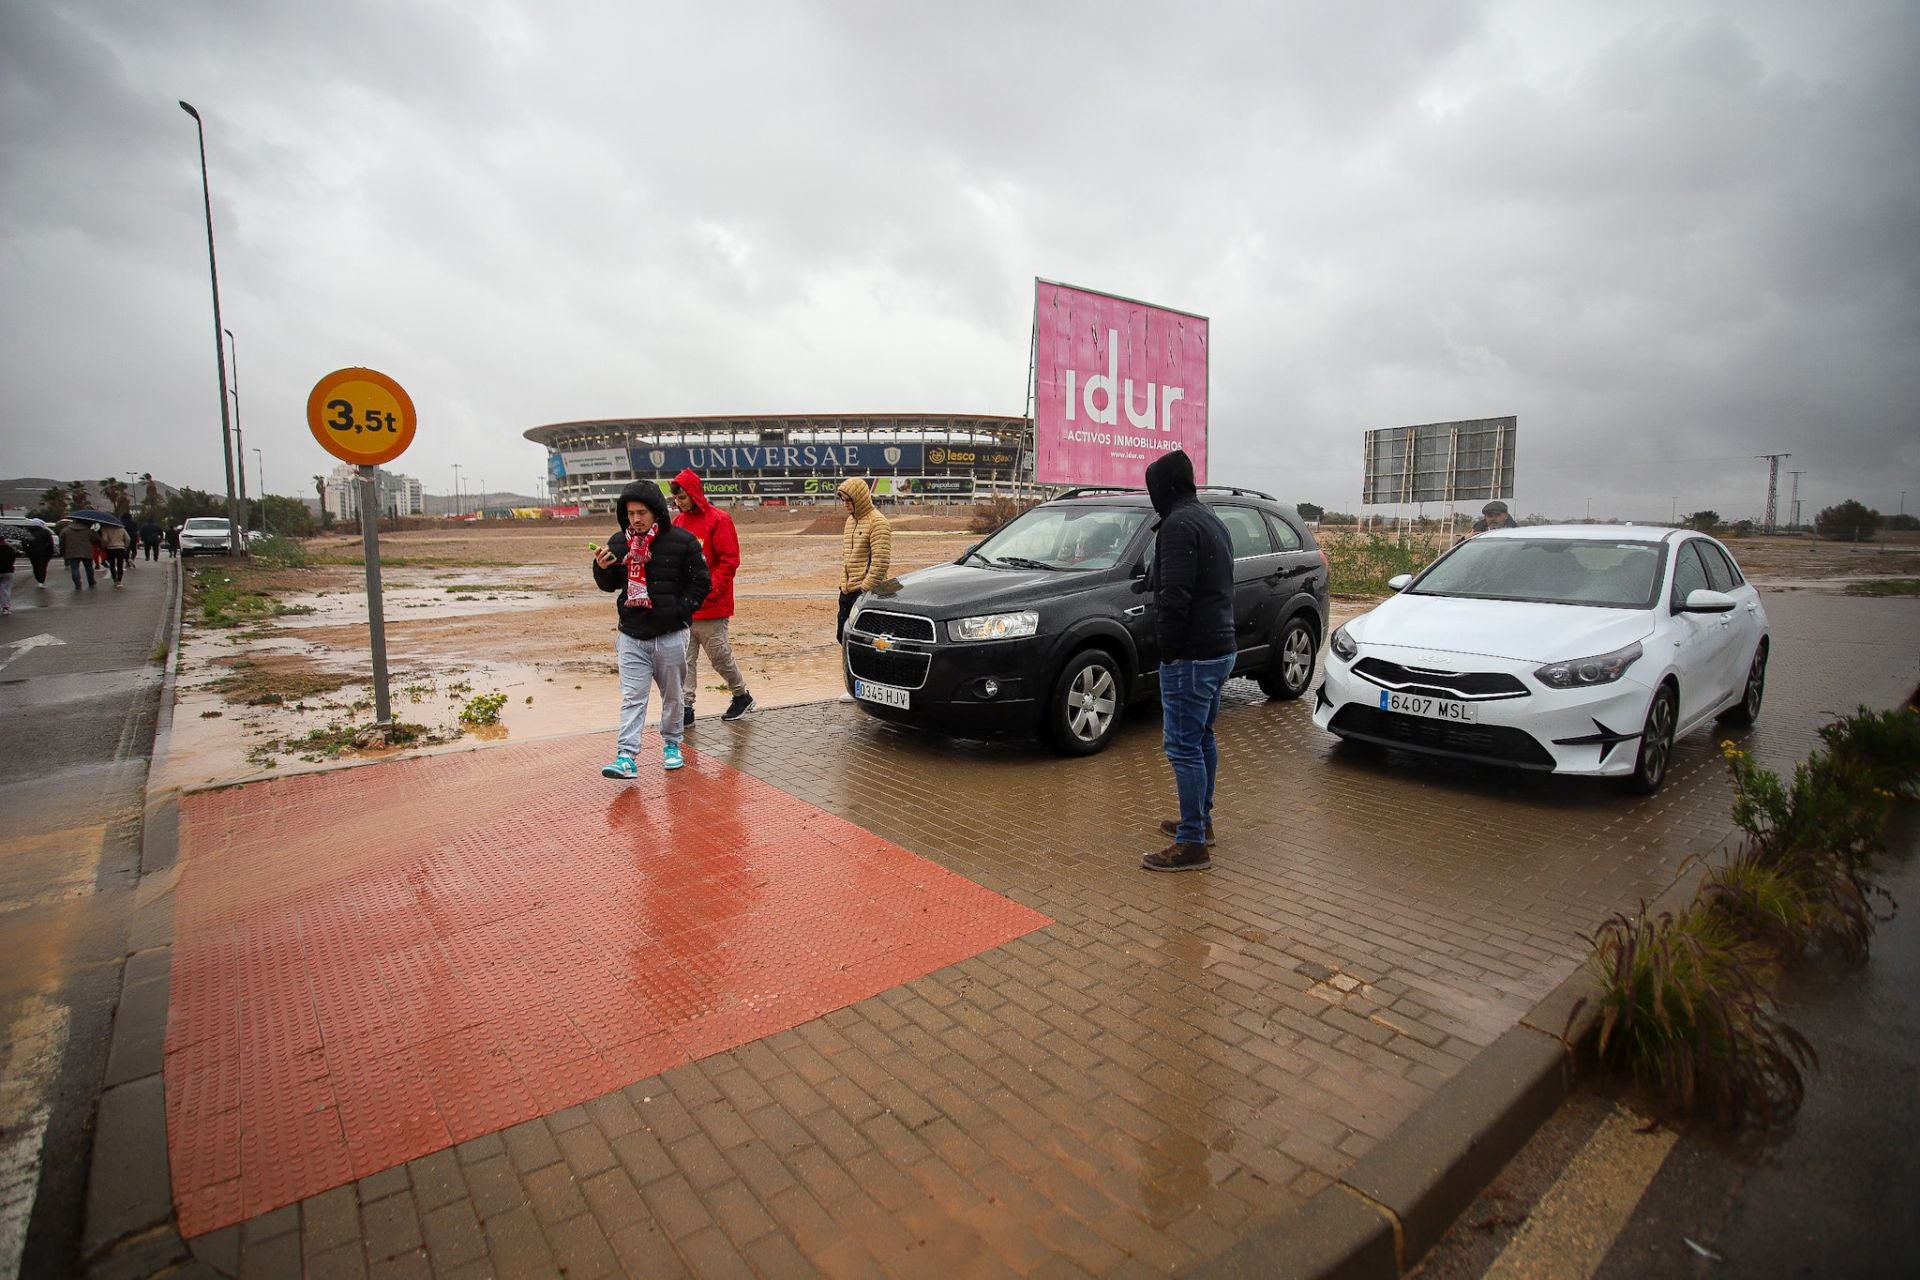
point(1656, 232)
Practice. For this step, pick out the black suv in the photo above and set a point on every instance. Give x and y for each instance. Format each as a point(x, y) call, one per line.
point(1046, 626)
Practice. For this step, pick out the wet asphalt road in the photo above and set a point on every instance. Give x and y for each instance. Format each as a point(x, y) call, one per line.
point(1839, 1193)
point(79, 688)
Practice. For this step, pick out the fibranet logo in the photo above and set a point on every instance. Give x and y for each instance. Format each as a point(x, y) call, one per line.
point(1117, 392)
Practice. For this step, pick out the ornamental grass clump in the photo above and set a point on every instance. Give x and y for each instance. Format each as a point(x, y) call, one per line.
point(1687, 999)
point(1686, 1013)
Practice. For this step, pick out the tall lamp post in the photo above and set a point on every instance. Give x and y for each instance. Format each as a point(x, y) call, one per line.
point(239, 439)
point(260, 474)
point(219, 341)
point(456, 488)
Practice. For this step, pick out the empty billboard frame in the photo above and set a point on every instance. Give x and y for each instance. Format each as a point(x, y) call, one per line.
point(1440, 462)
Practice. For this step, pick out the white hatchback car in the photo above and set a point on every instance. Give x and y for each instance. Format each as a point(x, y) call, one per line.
point(1580, 649)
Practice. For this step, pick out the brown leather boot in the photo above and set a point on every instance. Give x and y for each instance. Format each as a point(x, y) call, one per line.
point(1178, 857)
point(1170, 827)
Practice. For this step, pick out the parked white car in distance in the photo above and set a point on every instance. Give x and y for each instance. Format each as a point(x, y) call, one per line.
point(206, 536)
point(1578, 649)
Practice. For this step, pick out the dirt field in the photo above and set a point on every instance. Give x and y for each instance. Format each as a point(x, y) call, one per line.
point(280, 677)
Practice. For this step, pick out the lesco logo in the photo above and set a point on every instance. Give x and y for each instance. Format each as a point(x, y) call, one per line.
point(936, 456)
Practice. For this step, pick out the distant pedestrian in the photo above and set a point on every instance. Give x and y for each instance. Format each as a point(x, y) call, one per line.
point(1192, 582)
point(1494, 516)
point(172, 538)
point(150, 535)
point(866, 552)
point(119, 547)
point(40, 550)
point(76, 548)
point(720, 543)
point(6, 577)
point(662, 581)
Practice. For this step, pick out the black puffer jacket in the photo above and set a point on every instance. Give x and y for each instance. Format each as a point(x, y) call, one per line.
point(1192, 566)
point(677, 577)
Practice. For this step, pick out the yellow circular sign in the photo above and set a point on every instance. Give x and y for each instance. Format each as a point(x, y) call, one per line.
point(360, 416)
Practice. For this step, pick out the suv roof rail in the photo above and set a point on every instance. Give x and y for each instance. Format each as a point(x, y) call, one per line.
point(1081, 491)
point(1236, 491)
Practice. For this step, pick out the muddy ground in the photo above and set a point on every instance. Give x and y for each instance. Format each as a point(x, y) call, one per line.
point(275, 667)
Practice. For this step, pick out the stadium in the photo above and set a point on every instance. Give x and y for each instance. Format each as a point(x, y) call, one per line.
point(780, 459)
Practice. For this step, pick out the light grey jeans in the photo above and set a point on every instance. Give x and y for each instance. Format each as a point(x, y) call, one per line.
point(643, 664)
point(710, 635)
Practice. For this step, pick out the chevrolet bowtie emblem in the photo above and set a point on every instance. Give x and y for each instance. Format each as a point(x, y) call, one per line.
point(883, 643)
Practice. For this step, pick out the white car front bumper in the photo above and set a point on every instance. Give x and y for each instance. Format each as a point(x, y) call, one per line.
point(1593, 731)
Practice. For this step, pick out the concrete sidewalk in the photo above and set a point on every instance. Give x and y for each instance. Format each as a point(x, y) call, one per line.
point(837, 999)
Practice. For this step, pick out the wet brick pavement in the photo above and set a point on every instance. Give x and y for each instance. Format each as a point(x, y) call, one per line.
point(1122, 1092)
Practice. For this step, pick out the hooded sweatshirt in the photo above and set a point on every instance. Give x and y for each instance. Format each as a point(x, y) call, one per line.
point(661, 578)
point(719, 542)
point(866, 544)
point(1192, 575)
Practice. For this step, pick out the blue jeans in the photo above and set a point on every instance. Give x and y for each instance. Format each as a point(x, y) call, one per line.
point(644, 663)
point(1189, 704)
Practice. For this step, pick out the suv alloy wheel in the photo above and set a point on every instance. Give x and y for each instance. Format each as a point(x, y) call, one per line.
point(1088, 698)
point(1290, 670)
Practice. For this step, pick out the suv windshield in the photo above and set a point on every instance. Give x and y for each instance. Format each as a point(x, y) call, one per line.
point(1613, 575)
point(1075, 539)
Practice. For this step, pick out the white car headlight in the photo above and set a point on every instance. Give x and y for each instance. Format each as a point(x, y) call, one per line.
point(1343, 645)
point(1580, 673)
point(995, 626)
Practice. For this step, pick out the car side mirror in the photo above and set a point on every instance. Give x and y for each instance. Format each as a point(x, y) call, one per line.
point(1705, 601)
point(1399, 581)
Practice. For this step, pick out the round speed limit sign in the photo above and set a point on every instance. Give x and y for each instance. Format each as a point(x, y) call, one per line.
point(361, 416)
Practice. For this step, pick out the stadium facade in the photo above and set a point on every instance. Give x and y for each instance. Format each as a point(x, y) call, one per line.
point(792, 458)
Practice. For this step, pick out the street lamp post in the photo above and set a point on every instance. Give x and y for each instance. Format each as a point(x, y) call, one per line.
point(260, 474)
point(219, 341)
point(239, 439)
point(456, 488)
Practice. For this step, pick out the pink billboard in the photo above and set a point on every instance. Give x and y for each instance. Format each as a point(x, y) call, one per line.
point(1117, 383)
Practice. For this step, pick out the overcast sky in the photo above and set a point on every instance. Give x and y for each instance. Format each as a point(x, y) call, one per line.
point(1667, 236)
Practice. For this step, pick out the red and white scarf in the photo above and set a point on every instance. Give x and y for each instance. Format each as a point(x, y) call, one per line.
point(639, 551)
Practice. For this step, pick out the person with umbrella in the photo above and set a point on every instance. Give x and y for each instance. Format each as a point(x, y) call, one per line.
point(118, 544)
point(76, 548)
point(40, 550)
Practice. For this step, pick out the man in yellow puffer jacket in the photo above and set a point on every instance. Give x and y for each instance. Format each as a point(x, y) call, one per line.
point(866, 548)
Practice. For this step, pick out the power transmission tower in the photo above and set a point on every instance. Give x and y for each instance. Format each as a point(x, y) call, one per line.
point(1793, 503)
point(1773, 490)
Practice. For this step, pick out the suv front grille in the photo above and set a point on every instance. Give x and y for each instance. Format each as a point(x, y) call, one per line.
point(1470, 685)
point(901, 626)
point(900, 667)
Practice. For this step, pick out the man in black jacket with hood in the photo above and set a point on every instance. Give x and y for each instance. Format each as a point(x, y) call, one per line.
point(1193, 615)
point(661, 577)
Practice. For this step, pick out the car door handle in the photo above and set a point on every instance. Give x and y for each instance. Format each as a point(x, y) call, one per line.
point(1136, 611)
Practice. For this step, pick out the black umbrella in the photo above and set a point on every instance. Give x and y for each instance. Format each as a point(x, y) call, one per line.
point(95, 517)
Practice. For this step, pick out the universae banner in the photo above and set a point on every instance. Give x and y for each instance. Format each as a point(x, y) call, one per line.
point(1117, 383)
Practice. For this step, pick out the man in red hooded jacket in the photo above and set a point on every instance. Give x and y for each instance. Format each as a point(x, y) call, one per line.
point(721, 545)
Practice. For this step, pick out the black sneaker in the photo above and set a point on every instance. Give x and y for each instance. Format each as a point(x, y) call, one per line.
point(686, 717)
point(741, 704)
point(1178, 857)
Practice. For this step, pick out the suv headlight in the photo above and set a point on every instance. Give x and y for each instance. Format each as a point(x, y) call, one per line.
point(1580, 673)
point(995, 626)
point(1343, 645)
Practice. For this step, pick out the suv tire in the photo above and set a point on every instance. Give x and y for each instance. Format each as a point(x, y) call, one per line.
point(1089, 697)
point(1289, 673)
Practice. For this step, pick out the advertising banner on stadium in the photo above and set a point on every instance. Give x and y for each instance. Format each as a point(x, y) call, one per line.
point(588, 462)
point(1117, 383)
point(850, 458)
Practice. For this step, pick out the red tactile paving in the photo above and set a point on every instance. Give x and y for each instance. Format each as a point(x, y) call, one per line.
point(373, 964)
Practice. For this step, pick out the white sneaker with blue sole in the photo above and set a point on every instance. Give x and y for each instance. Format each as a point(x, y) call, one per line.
point(622, 767)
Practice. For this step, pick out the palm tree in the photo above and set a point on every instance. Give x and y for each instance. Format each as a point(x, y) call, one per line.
point(150, 504)
point(320, 487)
point(54, 503)
point(77, 495)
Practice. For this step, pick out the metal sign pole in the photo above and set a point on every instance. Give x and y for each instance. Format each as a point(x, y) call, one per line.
point(376, 618)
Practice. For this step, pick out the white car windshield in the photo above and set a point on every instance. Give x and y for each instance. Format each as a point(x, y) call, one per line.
point(207, 524)
point(1067, 538)
point(1612, 575)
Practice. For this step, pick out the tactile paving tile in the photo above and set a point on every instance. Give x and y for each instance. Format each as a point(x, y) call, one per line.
point(373, 964)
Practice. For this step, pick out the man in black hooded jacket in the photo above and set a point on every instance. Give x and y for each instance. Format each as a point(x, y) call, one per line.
point(662, 578)
point(1192, 584)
